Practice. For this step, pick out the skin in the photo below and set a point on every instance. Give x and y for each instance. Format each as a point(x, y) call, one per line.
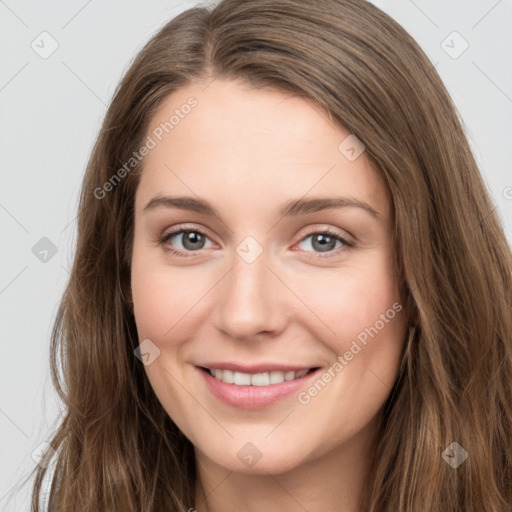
point(247, 151)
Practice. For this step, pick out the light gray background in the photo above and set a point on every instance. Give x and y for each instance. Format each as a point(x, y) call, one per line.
point(51, 110)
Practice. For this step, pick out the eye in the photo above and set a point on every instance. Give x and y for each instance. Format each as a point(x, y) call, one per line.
point(191, 240)
point(325, 242)
point(194, 240)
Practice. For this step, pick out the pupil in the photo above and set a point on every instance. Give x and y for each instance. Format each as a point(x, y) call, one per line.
point(325, 245)
point(192, 238)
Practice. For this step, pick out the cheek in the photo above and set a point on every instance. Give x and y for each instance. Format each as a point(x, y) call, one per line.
point(349, 306)
point(163, 296)
point(164, 300)
point(368, 345)
point(366, 338)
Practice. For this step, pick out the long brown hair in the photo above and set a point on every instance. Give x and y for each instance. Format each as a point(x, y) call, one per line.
point(117, 449)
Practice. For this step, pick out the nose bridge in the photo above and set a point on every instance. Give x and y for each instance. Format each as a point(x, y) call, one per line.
point(247, 301)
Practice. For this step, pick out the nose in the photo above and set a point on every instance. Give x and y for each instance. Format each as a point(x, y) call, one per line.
point(250, 300)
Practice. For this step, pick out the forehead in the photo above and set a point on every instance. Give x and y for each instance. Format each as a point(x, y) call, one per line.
point(237, 144)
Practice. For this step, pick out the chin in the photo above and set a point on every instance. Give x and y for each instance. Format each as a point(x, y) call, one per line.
point(258, 457)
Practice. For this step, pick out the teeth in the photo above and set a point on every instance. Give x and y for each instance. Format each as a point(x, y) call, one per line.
point(276, 377)
point(227, 376)
point(256, 379)
point(239, 378)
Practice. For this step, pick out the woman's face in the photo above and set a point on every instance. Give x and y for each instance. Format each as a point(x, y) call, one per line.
point(257, 289)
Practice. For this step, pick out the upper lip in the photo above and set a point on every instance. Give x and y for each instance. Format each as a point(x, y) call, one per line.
point(256, 368)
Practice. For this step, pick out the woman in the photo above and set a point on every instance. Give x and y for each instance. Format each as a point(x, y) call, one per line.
point(340, 337)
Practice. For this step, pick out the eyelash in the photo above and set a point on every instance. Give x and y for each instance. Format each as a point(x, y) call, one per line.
point(165, 237)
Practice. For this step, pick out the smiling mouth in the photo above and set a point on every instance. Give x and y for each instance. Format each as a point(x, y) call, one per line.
point(256, 379)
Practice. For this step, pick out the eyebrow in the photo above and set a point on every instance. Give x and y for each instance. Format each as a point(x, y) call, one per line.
point(291, 208)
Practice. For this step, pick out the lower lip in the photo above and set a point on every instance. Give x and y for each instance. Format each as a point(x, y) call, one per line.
point(253, 397)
